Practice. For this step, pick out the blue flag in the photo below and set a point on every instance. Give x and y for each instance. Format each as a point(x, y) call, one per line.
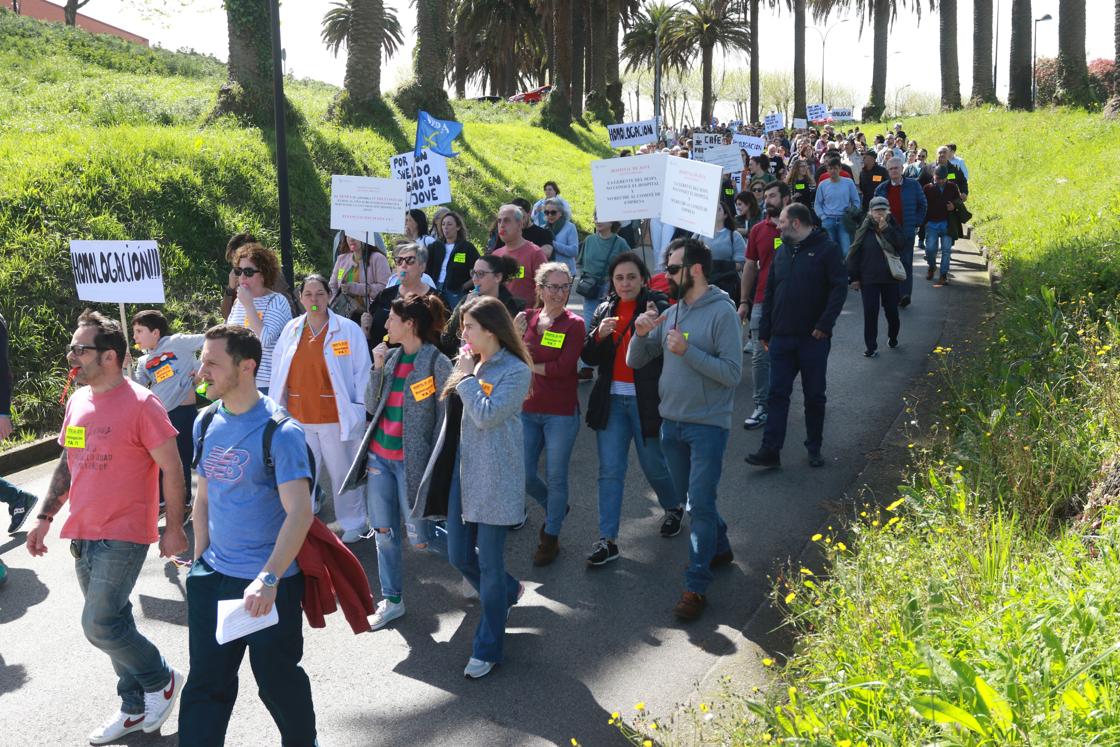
point(436, 135)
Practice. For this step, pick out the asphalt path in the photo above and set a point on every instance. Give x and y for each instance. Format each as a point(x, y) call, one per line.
point(582, 643)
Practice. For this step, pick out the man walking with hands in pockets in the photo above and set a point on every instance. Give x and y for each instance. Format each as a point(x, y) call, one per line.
point(699, 340)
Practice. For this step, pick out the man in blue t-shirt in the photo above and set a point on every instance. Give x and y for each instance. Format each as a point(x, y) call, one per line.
point(250, 522)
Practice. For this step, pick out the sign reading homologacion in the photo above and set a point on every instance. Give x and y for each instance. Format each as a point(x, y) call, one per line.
point(117, 271)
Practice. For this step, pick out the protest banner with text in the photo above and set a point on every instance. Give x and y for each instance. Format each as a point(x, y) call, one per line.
point(117, 271)
point(691, 191)
point(729, 157)
point(679, 191)
point(633, 133)
point(425, 178)
point(842, 115)
point(776, 121)
point(816, 112)
point(754, 146)
point(367, 203)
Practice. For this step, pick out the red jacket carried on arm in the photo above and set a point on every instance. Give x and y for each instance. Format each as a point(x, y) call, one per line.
point(330, 570)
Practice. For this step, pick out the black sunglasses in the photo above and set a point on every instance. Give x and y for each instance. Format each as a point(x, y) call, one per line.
point(407, 261)
point(552, 212)
point(673, 269)
point(79, 350)
point(246, 271)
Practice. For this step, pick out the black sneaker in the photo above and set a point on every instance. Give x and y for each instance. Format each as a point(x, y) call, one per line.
point(815, 459)
point(765, 458)
point(892, 343)
point(870, 353)
point(671, 524)
point(603, 552)
point(20, 509)
point(904, 302)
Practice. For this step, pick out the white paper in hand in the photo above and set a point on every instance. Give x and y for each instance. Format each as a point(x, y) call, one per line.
point(234, 621)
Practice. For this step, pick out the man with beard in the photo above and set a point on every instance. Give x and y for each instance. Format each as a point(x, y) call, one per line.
point(699, 340)
point(762, 242)
point(804, 295)
point(252, 511)
point(116, 438)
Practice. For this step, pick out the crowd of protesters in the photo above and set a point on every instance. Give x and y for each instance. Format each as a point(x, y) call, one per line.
point(425, 387)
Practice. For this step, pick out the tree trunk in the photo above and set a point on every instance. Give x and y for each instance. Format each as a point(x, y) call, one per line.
point(756, 74)
point(1073, 73)
point(460, 66)
point(430, 58)
point(881, 21)
point(1019, 91)
point(577, 60)
point(362, 80)
point(70, 12)
point(799, 58)
point(706, 72)
point(950, 65)
point(248, 90)
point(562, 46)
point(1112, 108)
point(983, 92)
point(610, 53)
point(599, 32)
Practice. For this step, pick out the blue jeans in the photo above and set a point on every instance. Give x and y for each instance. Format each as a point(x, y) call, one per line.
point(274, 654)
point(624, 426)
point(790, 355)
point(451, 297)
point(937, 233)
point(555, 435)
point(694, 454)
point(9, 493)
point(906, 287)
point(386, 506)
point(760, 361)
point(107, 572)
point(836, 231)
point(182, 418)
point(477, 551)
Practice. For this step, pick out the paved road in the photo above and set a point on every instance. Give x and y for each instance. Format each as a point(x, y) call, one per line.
point(582, 643)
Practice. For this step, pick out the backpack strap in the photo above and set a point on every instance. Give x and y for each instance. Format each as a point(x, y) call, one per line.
point(207, 418)
point(274, 422)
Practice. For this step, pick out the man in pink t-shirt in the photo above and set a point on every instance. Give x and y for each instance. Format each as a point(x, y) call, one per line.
point(116, 438)
point(528, 255)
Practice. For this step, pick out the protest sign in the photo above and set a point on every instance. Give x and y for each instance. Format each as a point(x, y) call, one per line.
point(816, 112)
point(426, 180)
point(633, 133)
point(776, 121)
point(628, 188)
point(754, 146)
point(729, 157)
point(690, 194)
point(800, 124)
point(842, 115)
point(117, 271)
point(367, 203)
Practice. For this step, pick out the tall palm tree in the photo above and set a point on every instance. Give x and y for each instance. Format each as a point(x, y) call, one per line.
point(1073, 71)
point(983, 90)
point(497, 42)
point(799, 102)
point(579, 34)
point(562, 46)
point(248, 88)
point(756, 72)
point(369, 30)
point(950, 64)
point(1019, 71)
point(707, 25)
point(640, 41)
point(431, 54)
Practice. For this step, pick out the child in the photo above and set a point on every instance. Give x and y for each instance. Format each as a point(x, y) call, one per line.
point(167, 368)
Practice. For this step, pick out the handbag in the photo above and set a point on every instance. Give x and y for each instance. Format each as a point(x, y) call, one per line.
point(894, 262)
point(587, 285)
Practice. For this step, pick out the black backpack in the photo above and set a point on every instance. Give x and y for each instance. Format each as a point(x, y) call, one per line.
point(274, 422)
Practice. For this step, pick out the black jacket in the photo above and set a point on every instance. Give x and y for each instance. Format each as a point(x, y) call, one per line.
point(600, 353)
point(805, 289)
point(866, 262)
point(435, 259)
point(379, 309)
point(868, 183)
point(463, 256)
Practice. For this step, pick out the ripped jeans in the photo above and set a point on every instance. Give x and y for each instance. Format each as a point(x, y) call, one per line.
point(387, 505)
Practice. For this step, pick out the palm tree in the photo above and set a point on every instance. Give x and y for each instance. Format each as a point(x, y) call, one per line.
point(1073, 71)
point(756, 72)
point(579, 35)
point(248, 88)
point(799, 102)
point(950, 65)
point(1019, 90)
point(562, 46)
point(983, 92)
point(498, 42)
point(369, 30)
point(640, 41)
point(709, 24)
point(1112, 108)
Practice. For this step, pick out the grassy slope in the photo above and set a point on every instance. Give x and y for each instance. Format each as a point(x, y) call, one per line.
point(104, 140)
point(970, 612)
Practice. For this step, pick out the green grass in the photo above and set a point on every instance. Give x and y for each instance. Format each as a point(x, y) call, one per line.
point(100, 139)
point(971, 610)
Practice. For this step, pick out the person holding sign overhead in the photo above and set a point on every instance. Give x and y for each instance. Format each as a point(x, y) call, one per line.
point(263, 311)
point(402, 396)
point(550, 415)
point(321, 366)
point(528, 255)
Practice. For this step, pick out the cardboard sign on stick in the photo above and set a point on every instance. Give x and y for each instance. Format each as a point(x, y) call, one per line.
point(633, 133)
point(426, 180)
point(628, 188)
point(117, 271)
point(367, 203)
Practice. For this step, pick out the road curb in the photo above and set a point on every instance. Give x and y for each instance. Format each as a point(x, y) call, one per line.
point(29, 455)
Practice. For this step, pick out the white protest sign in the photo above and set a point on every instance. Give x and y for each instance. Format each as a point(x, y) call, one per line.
point(816, 112)
point(426, 180)
point(776, 121)
point(701, 141)
point(737, 180)
point(842, 115)
point(367, 203)
point(633, 133)
point(800, 124)
point(754, 146)
point(691, 191)
point(628, 188)
point(729, 157)
point(117, 271)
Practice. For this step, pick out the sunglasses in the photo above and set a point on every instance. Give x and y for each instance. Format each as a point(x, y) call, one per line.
point(552, 212)
point(407, 261)
point(80, 350)
point(246, 271)
point(673, 269)
point(557, 288)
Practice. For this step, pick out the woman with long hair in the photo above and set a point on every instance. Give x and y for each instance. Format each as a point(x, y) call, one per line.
point(257, 307)
point(728, 249)
point(453, 276)
point(407, 415)
point(747, 212)
point(351, 291)
point(320, 374)
point(802, 183)
point(489, 275)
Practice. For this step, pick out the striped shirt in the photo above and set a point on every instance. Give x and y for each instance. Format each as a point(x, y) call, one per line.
point(387, 441)
point(274, 312)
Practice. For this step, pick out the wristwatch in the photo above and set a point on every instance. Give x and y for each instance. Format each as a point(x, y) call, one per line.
point(268, 579)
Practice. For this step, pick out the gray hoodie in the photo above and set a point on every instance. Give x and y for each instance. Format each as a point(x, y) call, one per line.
point(699, 386)
point(168, 370)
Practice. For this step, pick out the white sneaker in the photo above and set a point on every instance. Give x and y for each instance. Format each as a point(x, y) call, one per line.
point(350, 536)
point(477, 668)
point(757, 419)
point(116, 727)
point(158, 705)
point(468, 591)
point(385, 613)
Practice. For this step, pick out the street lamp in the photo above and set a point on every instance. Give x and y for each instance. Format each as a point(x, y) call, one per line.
point(281, 146)
point(1034, 57)
point(657, 64)
point(824, 40)
point(898, 94)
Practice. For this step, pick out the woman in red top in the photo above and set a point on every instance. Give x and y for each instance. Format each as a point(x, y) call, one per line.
point(550, 415)
point(624, 405)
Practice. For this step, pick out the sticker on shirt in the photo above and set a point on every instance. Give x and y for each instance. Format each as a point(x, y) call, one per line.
point(951, 175)
point(486, 388)
point(685, 334)
point(460, 257)
point(552, 339)
point(75, 437)
point(520, 274)
point(777, 241)
point(260, 315)
point(423, 389)
point(342, 347)
point(799, 185)
point(164, 372)
point(156, 361)
point(877, 178)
